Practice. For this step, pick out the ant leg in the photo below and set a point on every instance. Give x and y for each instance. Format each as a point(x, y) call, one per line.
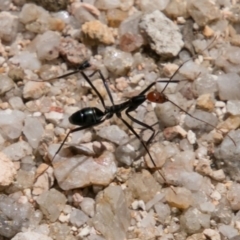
point(144, 125)
point(160, 81)
point(149, 140)
point(142, 93)
point(94, 88)
point(201, 120)
point(104, 83)
point(72, 131)
point(82, 67)
point(174, 74)
point(62, 76)
point(142, 142)
point(134, 132)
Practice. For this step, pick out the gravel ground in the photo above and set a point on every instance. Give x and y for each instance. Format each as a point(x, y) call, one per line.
point(103, 184)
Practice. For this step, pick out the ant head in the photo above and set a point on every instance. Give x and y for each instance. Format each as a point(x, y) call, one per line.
point(156, 97)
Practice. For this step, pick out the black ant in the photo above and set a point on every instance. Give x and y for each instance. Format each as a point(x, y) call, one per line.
point(92, 116)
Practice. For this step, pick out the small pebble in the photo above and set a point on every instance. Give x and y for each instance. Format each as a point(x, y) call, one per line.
point(78, 217)
point(84, 232)
point(94, 32)
point(156, 25)
point(88, 206)
point(7, 170)
point(51, 203)
point(191, 136)
point(117, 62)
point(179, 197)
point(64, 218)
point(8, 26)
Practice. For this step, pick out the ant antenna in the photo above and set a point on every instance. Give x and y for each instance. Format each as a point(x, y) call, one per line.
point(170, 80)
point(157, 97)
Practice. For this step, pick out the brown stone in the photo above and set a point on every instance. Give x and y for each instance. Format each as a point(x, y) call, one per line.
point(180, 198)
point(235, 40)
point(130, 42)
point(208, 32)
point(115, 17)
point(56, 24)
point(142, 185)
point(95, 32)
point(205, 102)
point(232, 122)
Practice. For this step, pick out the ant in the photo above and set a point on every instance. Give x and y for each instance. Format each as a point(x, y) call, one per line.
point(92, 116)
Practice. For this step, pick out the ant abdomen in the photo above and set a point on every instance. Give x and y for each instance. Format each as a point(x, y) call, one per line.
point(86, 116)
